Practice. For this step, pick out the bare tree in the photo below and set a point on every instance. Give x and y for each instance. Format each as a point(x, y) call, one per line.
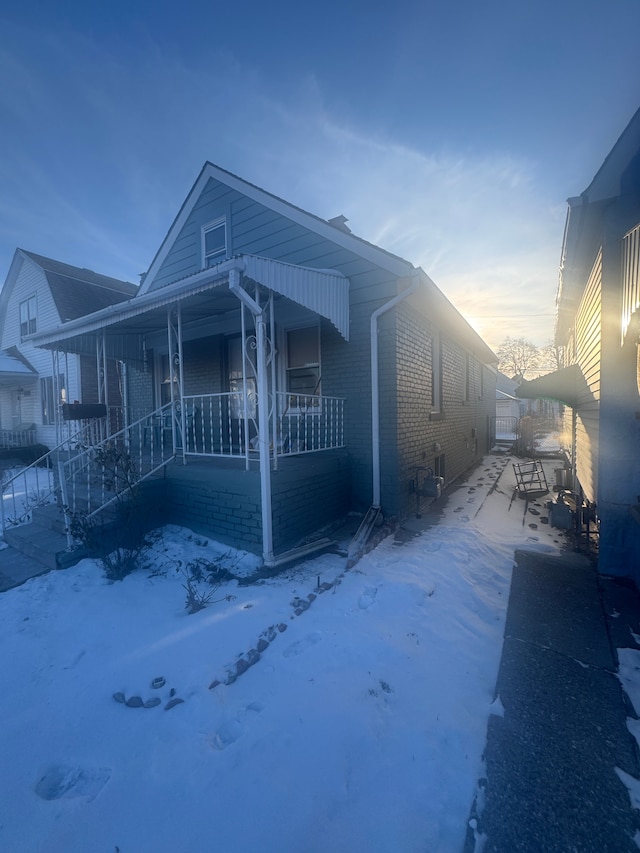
point(552, 357)
point(517, 357)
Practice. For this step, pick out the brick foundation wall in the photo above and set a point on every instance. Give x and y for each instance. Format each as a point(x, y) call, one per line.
point(303, 505)
point(307, 494)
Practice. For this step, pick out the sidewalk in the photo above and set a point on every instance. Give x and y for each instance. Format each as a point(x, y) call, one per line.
point(16, 568)
point(559, 731)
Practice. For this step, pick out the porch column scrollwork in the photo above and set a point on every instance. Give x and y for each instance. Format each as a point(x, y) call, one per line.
point(176, 377)
point(257, 311)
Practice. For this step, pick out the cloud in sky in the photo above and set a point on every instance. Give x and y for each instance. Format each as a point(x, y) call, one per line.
point(101, 147)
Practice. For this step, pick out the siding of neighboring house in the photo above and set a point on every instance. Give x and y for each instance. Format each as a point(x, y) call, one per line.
point(597, 302)
point(31, 281)
point(588, 336)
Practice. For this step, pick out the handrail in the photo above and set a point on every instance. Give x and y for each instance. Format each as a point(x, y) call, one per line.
point(35, 465)
point(143, 443)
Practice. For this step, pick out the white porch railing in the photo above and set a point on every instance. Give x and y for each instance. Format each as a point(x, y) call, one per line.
point(95, 478)
point(17, 437)
point(35, 484)
point(308, 423)
point(215, 424)
point(220, 425)
point(87, 472)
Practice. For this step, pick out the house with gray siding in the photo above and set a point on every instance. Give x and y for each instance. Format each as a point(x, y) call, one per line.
point(282, 372)
point(41, 294)
point(598, 327)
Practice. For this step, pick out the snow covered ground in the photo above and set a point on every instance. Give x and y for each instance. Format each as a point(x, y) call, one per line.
point(360, 728)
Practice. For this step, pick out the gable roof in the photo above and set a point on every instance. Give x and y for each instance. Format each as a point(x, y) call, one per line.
point(333, 231)
point(78, 291)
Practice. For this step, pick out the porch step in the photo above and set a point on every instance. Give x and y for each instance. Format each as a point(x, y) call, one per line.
point(300, 552)
point(46, 546)
point(49, 517)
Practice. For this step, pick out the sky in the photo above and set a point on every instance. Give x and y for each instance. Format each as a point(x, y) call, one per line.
point(451, 133)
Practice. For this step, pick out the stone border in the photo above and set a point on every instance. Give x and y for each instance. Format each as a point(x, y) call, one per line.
point(250, 658)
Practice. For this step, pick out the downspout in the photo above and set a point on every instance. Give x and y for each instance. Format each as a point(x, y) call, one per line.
point(263, 415)
point(375, 386)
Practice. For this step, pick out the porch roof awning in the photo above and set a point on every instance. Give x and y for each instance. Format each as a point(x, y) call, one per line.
point(325, 292)
point(13, 369)
point(566, 385)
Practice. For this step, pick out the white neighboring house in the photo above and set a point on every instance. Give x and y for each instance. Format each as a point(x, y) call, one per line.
point(41, 294)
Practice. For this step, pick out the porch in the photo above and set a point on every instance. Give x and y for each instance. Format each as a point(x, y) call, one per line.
point(225, 365)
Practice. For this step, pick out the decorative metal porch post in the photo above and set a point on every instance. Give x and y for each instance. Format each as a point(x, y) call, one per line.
point(103, 384)
point(176, 377)
point(263, 413)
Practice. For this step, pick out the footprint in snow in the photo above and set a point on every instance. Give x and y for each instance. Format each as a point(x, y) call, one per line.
point(60, 781)
point(232, 729)
point(367, 598)
point(227, 734)
point(300, 646)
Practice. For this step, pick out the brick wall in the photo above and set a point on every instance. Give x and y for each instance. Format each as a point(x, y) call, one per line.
point(140, 388)
point(459, 431)
point(224, 502)
point(302, 503)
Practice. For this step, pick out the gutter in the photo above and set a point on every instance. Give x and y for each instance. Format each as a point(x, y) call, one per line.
point(375, 384)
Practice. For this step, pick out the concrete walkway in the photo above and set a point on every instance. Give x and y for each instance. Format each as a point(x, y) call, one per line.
point(551, 784)
point(16, 568)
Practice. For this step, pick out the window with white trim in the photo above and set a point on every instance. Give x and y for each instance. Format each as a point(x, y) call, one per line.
point(28, 317)
point(214, 242)
point(303, 366)
point(48, 397)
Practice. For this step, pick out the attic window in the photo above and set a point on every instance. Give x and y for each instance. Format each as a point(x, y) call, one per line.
point(214, 242)
point(28, 317)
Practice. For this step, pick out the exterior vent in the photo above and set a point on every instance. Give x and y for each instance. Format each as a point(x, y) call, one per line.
point(340, 222)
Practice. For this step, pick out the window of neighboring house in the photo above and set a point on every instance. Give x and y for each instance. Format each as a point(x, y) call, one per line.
point(50, 399)
point(28, 317)
point(436, 373)
point(303, 366)
point(214, 242)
